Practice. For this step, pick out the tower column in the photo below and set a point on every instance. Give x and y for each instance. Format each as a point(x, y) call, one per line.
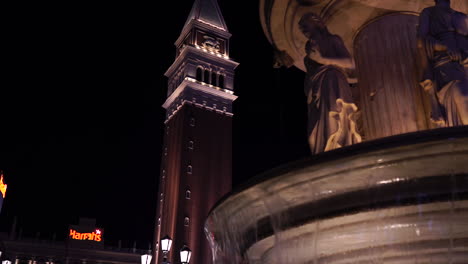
point(391, 99)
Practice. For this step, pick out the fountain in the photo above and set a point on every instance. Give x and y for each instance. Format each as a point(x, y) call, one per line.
point(401, 199)
point(399, 196)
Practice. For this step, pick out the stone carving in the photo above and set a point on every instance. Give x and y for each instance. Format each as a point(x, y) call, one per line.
point(211, 43)
point(281, 58)
point(442, 39)
point(331, 110)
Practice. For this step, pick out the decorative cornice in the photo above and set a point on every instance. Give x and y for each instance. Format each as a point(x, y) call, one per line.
point(194, 85)
point(225, 61)
point(187, 102)
point(201, 95)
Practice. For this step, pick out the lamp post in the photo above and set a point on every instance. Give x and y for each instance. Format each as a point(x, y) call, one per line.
point(166, 243)
point(146, 259)
point(185, 254)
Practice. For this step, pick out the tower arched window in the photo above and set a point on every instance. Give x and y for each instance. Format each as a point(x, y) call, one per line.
point(189, 169)
point(186, 221)
point(206, 77)
point(213, 79)
point(199, 74)
point(188, 194)
point(221, 81)
point(190, 144)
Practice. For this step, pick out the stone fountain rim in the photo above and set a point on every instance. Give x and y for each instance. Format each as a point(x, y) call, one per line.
point(380, 144)
point(441, 139)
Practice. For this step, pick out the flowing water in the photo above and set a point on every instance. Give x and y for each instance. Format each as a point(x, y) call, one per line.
point(404, 201)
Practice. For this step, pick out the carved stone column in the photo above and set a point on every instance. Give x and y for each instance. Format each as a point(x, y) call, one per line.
point(391, 100)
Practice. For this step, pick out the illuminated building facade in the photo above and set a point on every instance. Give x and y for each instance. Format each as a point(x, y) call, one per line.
point(196, 165)
point(85, 245)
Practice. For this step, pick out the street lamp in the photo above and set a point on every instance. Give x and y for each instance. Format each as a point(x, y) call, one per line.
point(166, 243)
point(185, 254)
point(146, 259)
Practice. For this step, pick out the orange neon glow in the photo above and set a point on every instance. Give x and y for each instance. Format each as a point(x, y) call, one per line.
point(95, 236)
point(2, 186)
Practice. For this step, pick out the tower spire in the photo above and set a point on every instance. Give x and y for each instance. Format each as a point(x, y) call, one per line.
point(207, 11)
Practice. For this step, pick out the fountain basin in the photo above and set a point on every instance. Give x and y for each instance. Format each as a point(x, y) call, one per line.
point(400, 199)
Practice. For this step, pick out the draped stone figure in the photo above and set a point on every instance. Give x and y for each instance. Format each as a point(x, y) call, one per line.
point(442, 38)
point(331, 110)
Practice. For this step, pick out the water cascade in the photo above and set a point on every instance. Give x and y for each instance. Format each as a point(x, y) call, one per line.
point(402, 199)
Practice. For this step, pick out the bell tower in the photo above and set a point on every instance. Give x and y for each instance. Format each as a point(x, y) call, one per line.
point(196, 165)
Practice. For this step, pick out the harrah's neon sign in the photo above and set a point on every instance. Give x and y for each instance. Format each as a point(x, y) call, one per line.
point(94, 236)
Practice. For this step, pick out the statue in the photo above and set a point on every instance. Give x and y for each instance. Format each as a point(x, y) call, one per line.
point(331, 111)
point(442, 38)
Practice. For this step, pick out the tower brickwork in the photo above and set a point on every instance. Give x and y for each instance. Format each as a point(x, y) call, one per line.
point(196, 165)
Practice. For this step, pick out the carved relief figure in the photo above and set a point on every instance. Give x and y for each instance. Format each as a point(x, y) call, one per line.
point(442, 38)
point(331, 110)
point(211, 43)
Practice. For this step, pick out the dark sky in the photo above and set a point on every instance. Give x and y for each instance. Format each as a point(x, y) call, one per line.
point(81, 116)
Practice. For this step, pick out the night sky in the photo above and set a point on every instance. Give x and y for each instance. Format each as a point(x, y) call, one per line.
point(81, 116)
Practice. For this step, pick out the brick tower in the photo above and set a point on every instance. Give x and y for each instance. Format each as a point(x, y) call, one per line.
point(196, 165)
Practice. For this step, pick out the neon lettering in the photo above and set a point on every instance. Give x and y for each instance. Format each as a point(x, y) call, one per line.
point(94, 236)
point(3, 186)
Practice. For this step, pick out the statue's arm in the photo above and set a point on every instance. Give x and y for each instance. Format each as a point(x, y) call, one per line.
point(424, 51)
point(461, 24)
point(423, 29)
point(346, 63)
point(342, 59)
point(425, 40)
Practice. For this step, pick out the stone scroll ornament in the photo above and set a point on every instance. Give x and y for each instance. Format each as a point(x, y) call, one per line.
point(332, 113)
point(442, 39)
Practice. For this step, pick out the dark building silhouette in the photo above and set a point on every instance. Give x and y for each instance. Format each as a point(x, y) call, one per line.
point(84, 245)
point(196, 165)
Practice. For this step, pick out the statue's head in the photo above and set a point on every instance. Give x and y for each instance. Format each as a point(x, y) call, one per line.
point(447, 2)
point(312, 24)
